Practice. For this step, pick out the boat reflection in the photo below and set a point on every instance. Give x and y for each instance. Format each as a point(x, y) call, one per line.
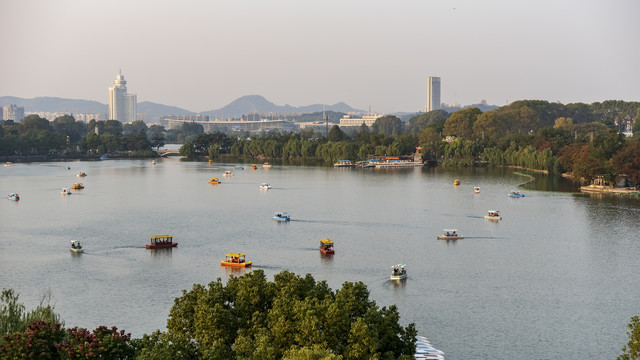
point(235, 271)
point(164, 253)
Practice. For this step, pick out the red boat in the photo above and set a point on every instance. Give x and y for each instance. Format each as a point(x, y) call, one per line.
point(161, 242)
point(326, 246)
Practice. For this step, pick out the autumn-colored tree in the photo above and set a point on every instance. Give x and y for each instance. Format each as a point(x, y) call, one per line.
point(627, 161)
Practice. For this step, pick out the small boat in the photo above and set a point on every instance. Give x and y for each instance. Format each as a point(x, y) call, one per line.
point(450, 234)
point(65, 191)
point(214, 181)
point(76, 247)
point(210, 161)
point(227, 173)
point(456, 182)
point(515, 194)
point(13, 196)
point(326, 246)
point(8, 163)
point(153, 162)
point(104, 157)
point(398, 272)
point(235, 260)
point(424, 350)
point(82, 174)
point(254, 167)
point(77, 186)
point(266, 165)
point(493, 215)
point(239, 167)
point(476, 189)
point(265, 186)
point(344, 163)
point(161, 241)
point(281, 216)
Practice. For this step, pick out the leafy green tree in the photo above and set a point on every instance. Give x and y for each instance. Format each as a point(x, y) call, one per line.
point(11, 312)
point(34, 122)
point(336, 134)
point(68, 126)
point(418, 123)
point(460, 123)
point(213, 151)
point(113, 127)
point(388, 125)
point(137, 125)
point(563, 123)
point(187, 150)
point(291, 317)
point(631, 351)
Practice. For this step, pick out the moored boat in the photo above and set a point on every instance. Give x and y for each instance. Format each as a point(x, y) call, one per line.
point(77, 186)
point(265, 186)
point(398, 272)
point(235, 260)
point(424, 350)
point(82, 174)
point(344, 163)
point(515, 194)
point(65, 191)
point(76, 246)
point(326, 246)
point(13, 196)
point(493, 215)
point(214, 181)
point(450, 234)
point(281, 216)
point(161, 241)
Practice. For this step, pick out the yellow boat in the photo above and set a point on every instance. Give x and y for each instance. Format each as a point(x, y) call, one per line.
point(456, 182)
point(235, 260)
point(214, 181)
point(77, 186)
point(254, 167)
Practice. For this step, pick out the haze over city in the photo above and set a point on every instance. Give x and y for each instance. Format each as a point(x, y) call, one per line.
point(201, 55)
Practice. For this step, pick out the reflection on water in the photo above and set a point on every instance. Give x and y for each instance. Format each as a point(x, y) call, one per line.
point(557, 263)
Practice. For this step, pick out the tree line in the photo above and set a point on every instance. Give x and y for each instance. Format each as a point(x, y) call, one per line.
point(291, 317)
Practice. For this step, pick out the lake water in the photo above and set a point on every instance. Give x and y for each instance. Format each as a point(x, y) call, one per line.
point(557, 278)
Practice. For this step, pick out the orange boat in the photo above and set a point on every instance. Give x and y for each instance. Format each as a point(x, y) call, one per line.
point(235, 260)
point(214, 181)
point(161, 242)
point(77, 186)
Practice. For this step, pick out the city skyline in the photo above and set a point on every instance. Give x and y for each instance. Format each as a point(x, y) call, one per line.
point(202, 55)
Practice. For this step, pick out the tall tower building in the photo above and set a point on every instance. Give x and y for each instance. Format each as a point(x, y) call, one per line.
point(433, 93)
point(122, 106)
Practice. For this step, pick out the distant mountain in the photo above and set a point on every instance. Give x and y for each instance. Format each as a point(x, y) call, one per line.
point(251, 104)
point(244, 105)
point(155, 110)
point(55, 104)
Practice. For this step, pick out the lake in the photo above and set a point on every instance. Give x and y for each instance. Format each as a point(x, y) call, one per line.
point(556, 278)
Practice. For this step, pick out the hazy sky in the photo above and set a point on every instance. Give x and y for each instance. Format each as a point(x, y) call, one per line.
point(202, 54)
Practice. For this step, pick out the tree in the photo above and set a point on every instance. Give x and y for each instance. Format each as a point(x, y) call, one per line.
point(563, 123)
point(418, 123)
point(291, 317)
point(627, 161)
point(631, 351)
point(137, 125)
point(113, 127)
point(336, 134)
point(460, 123)
point(388, 125)
point(187, 150)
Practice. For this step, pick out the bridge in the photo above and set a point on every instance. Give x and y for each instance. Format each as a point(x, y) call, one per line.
point(168, 152)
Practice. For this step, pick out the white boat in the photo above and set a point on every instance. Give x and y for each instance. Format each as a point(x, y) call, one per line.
point(153, 162)
point(493, 215)
point(76, 247)
point(398, 272)
point(424, 350)
point(265, 186)
point(266, 165)
point(344, 163)
point(450, 234)
point(227, 173)
point(8, 163)
point(476, 189)
point(13, 196)
point(65, 191)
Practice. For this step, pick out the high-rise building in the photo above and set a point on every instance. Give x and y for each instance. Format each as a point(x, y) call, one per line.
point(433, 93)
point(13, 112)
point(122, 106)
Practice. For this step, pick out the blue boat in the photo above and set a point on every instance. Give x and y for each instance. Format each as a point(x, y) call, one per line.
point(281, 216)
point(515, 194)
point(104, 157)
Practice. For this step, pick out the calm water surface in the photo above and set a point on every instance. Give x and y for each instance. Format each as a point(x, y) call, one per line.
point(555, 279)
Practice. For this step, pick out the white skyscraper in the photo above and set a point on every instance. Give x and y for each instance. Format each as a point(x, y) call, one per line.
point(122, 106)
point(433, 93)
